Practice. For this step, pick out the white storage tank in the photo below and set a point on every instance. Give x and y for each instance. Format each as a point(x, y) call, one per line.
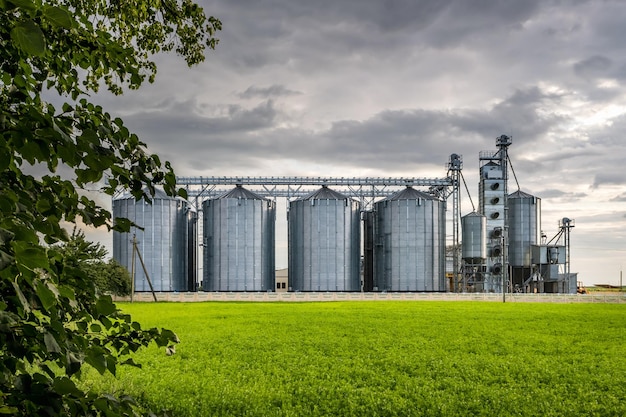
point(324, 242)
point(409, 248)
point(162, 240)
point(239, 230)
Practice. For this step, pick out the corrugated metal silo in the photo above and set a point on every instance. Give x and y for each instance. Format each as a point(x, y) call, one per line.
point(409, 252)
point(524, 226)
point(324, 242)
point(192, 247)
point(162, 242)
point(239, 239)
point(474, 244)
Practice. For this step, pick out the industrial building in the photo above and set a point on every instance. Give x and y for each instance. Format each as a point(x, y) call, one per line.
point(347, 235)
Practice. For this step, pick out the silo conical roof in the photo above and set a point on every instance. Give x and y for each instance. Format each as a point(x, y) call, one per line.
point(325, 193)
point(158, 195)
point(240, 192)
point(410, 193)
point(474, 214)
point(520, 194)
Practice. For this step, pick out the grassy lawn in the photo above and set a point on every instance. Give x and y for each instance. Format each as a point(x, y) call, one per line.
point(381, 359)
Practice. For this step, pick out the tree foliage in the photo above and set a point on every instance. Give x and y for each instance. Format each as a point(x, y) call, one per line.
point(51, 322)
point(109, 277)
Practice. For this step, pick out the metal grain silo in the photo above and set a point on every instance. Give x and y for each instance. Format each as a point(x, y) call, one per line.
point(192, 248)
point(239, 239)
point(162, 240)
point(474, 244)
point(524, 225)
point(324, 242)
point(409, 252)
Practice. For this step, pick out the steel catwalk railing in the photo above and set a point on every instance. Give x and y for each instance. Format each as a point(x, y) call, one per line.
point(366, 181)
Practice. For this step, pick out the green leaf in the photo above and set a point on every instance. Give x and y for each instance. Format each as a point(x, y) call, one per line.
point(63, 385)
point(97, 359)
point(73, 363)
point(29, 38)
point(30, 256)
point(122, 224)
point(51, 343)
point(43, 205)
point(131, 362)
point(86, 176)
point(105, 306)
point(46, 296)
point(25, 4)
point(59, 17)
point(5, 259)
point(67, 292)
point(21, 297)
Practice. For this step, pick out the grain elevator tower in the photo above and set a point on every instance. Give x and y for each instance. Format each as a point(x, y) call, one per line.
point(493, 192)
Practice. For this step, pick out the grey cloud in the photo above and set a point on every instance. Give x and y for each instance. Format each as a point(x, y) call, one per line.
point(594, 66)
point(275, 90)
point(557, 193)
point(182, 118)
point(614, 177)
point(469, 21)
point(398, 139)
point(274, 32)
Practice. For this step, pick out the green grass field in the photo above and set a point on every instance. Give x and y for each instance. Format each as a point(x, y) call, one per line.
point(381, 359)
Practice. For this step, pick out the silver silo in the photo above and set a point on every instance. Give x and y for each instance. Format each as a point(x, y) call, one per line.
point(324, 242)
point(409, 252)
point(238, 239)
point(192, 250)
point(162, 243)
point(474, 243)
point(524, 227)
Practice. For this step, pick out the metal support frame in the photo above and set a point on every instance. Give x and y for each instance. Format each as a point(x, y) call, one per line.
point(454, 173)
point(365, 189)
point(566, 224)
point(503, 143)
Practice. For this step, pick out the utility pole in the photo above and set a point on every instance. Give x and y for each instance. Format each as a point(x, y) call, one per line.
point(145, 271)
point(132, 269)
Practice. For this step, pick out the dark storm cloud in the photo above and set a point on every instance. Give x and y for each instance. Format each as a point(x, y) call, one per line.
point(311, 40)
point(391, 139)
point(263, 33)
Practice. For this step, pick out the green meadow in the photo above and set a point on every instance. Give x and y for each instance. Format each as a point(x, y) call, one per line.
point(383, 358)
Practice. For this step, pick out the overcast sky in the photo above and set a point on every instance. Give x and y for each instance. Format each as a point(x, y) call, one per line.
point(392, 88)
